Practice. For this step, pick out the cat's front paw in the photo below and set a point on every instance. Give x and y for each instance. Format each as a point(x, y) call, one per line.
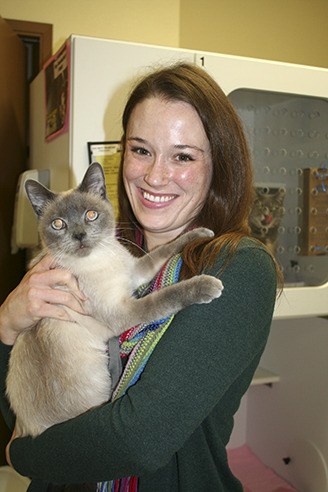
point(208, 288)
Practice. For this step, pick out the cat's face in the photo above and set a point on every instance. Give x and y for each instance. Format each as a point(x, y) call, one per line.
point(76, 222)
point(267, 210)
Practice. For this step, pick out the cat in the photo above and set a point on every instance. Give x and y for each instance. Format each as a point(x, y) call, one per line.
point(266, 215)
point(59, 369)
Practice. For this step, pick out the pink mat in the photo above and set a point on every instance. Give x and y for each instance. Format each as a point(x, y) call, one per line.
point(254, 475)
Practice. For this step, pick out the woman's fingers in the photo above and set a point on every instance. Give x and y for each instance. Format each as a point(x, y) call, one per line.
point(41, 298)
point(46, 263)
point(45, 275)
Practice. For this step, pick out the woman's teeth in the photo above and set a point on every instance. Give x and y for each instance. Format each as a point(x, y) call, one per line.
point(157, 198)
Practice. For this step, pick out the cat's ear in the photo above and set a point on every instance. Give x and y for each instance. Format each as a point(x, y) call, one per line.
point(38, 195)
point(281, 195)
point(94, 180)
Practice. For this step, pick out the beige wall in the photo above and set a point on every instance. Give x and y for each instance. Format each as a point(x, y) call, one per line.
point(144, 21)
point(294, 31)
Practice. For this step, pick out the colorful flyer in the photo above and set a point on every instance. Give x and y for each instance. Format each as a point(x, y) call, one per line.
point(108, 154)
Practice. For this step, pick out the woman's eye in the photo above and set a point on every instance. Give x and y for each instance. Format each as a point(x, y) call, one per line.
point(184, 157)
point(140, 151)
point(58, 224)
point(91, 215)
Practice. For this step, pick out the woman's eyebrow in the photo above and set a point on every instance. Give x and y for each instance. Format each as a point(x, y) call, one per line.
point(137, 139)
point(188, 146)
point(177, 146)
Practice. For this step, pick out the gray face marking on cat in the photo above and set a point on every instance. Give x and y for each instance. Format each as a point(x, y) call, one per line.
point(79, 235)
point(77, 221)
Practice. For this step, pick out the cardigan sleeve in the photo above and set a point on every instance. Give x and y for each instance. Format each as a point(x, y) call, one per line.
point(201, 357)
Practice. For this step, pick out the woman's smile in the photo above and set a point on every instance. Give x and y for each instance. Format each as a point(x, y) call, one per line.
point(151, 198)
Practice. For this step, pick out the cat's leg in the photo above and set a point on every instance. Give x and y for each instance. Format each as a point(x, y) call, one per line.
point(147, 266)
point(97, 328)
point(200, 289)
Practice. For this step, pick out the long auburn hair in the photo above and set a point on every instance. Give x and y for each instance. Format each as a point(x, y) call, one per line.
point(229, 199)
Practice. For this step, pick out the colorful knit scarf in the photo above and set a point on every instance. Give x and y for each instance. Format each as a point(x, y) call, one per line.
point(138, 343)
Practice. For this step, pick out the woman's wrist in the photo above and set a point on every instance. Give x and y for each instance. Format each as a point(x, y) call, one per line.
point(7, 335)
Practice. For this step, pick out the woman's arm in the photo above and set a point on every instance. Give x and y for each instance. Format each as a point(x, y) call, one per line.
point(203, 353)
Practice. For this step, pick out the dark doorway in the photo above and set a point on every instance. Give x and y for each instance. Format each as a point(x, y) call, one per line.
point(37, 38)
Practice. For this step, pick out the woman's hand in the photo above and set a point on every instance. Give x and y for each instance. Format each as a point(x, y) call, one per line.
point(42, 293)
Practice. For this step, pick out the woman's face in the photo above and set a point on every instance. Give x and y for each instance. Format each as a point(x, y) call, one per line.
point(167, 167)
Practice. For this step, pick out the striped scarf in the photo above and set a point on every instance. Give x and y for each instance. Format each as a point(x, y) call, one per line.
point(138, 343)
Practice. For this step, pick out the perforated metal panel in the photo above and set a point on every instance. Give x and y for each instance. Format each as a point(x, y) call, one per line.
point(288, 134)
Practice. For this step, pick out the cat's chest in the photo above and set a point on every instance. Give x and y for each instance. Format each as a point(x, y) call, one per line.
point(106, 285)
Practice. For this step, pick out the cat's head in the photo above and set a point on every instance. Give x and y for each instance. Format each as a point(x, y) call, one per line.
point(268, 210)
point(75, 222)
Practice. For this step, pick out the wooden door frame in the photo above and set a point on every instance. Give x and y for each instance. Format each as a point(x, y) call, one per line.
point(41, 31)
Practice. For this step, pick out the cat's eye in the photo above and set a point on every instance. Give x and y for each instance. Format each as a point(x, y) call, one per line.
point(58, 224)
point(91, 215)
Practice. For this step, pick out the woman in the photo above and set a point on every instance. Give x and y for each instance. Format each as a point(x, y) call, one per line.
point(185, 163)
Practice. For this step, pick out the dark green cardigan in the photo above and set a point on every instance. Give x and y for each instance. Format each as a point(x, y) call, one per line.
point(172, 427)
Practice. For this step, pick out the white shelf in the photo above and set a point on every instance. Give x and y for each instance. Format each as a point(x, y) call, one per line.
point(263, 376)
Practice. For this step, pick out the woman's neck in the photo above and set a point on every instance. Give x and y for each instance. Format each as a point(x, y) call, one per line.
point(153, 240)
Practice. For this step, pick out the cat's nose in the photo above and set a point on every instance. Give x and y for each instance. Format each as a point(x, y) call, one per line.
point(79, 235)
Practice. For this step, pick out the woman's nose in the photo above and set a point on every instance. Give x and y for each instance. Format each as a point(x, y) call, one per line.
point(157, 174)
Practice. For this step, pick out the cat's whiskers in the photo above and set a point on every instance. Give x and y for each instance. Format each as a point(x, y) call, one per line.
point(128, 241)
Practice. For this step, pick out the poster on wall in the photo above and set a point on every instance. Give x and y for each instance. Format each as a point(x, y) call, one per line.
point(56, 76)
point(108, 154)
